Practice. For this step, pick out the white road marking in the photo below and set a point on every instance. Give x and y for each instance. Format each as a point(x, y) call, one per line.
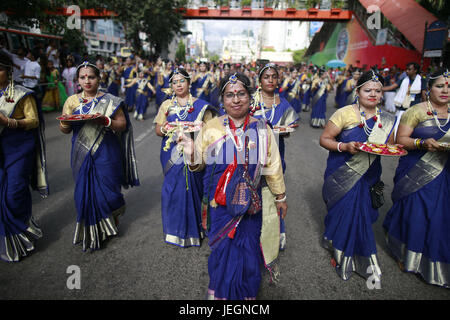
point(143, 135)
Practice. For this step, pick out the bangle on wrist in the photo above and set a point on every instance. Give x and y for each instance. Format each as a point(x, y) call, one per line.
point(15, 124)
point(109, 122)
point(419, 143)
point(339, 147)
point(281, 200)
point(64, 126)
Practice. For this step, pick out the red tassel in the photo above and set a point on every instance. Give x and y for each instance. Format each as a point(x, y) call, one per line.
point(333, 262)
point(429, 113)
point(204, 216)
point(361, 125)
point(232, 233)
point(380, 125)
point(375, 118)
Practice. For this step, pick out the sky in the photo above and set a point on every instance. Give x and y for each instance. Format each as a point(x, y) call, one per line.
point(215, 30)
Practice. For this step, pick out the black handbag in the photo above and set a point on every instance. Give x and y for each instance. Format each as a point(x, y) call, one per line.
point(376, 194)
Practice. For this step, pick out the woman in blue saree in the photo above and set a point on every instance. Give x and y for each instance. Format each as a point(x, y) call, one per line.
point(227, 149)
point(181, 190)
point(102, 159)
point(22, 164)
point(219, 74)
point(349, 176)
point(417, 225)
point(268, 105)
point(292, 88)
point(306, 96)
point(202, 83)
point(341, 94)
point(162, 85)
point(129, 73)
point(278, 113)
point(319, 89)
point(349, 90)
point(144, 92)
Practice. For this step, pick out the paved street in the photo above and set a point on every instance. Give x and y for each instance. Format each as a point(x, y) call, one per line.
point(139, 265)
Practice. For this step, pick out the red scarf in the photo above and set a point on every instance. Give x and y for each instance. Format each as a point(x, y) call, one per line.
point(220, 194)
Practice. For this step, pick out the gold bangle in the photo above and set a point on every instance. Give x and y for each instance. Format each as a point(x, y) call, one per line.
point(418, 143)
point(64, 126)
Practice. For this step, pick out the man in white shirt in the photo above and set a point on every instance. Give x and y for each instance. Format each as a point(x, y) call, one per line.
point(32, 72)
point(19, 61)
point(53, 55)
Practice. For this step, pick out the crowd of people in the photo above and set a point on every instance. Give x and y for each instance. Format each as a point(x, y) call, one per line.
point(227, 184)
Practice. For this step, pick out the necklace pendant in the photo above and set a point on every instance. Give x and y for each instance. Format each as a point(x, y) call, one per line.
point(380, 125)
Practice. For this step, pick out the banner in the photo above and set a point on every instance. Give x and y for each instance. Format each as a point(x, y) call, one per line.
point(350, 44)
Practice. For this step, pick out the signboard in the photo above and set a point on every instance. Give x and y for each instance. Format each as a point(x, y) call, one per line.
point(381, 37)
point(432, 54)
point(435, 36)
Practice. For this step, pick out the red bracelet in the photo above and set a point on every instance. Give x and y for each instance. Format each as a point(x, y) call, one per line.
point(108, 122)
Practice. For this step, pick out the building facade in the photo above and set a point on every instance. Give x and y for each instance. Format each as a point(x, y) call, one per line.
point(240, 47)
point(104, 37)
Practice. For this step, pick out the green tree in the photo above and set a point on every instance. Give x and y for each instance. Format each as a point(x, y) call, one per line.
point(159, 19)
point(43, 14)
point(299, 56)
point(440, 8)
point(214, 58)
point(181, 52)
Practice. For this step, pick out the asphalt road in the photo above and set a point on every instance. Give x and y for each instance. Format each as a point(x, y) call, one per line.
point(137, 264)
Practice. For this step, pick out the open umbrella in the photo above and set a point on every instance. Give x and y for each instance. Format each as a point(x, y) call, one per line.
point(336, 63)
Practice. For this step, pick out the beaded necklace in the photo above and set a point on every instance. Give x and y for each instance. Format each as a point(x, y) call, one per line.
point(433, 112)
point(83, 101)
point(188, 108)
point(272, 112)
point(363, 123)
point(238, 132)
